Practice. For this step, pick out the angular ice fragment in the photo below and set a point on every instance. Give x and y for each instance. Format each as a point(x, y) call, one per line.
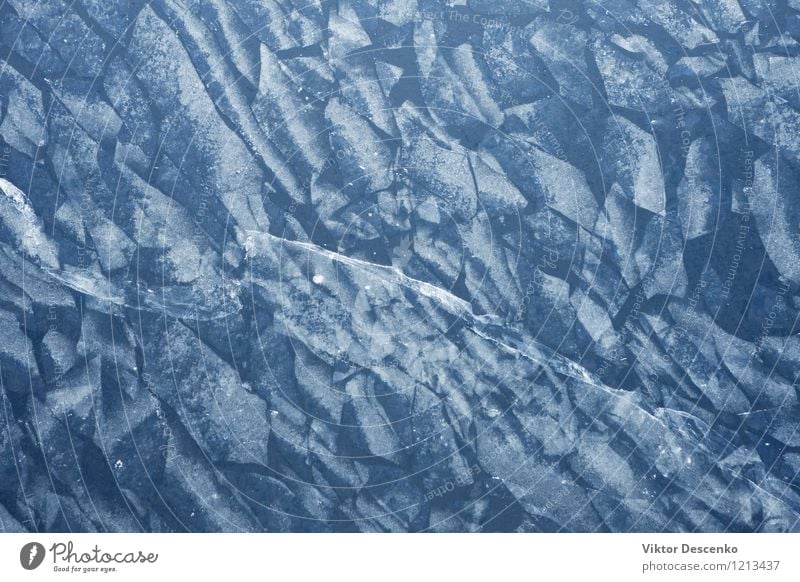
point(780, 75)
point(777, 218)
point(563, 48)
point(632, 156)
point(23, 123)
point(699, 191)
point(768, 117)
point(629, 81)
point(678, 23)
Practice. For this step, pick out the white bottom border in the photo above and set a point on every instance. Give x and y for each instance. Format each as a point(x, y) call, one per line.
point(401, 557)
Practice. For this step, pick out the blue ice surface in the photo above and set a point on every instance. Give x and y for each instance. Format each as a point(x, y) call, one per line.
point(380, 265)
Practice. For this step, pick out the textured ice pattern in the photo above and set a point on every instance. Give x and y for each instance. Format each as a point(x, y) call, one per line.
point(398, 265)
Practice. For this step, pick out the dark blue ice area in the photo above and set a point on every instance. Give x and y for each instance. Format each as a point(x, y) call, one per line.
point(398, 265)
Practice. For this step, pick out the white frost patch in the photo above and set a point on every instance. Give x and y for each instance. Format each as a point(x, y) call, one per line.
point(25, 227)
